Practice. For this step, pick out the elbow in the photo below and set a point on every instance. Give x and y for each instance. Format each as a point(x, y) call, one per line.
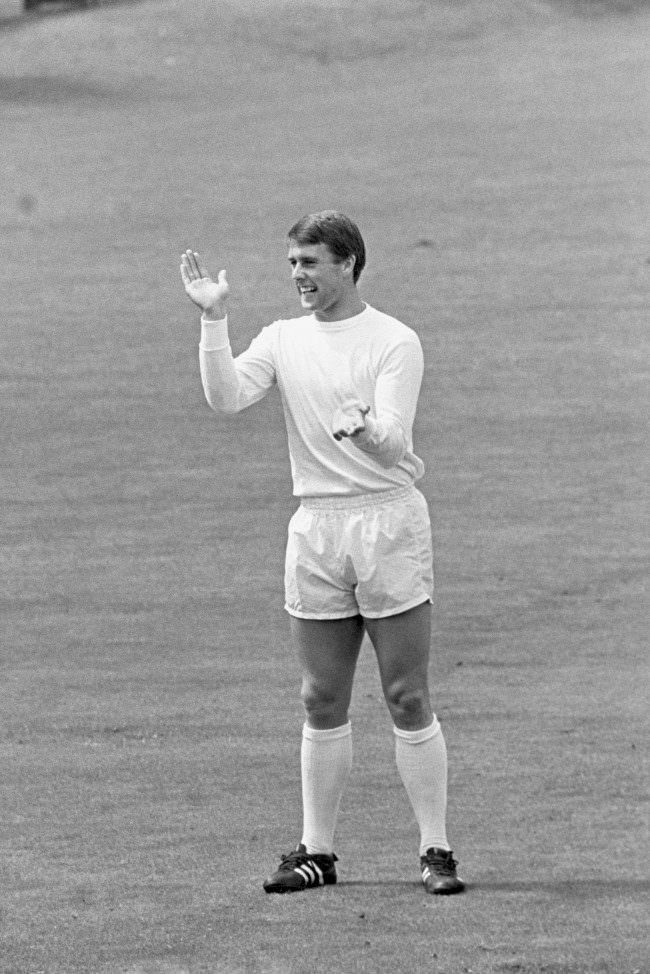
point(223, 407)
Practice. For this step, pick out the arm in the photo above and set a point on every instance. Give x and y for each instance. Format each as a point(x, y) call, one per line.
point(230, 384)
point(385, 432)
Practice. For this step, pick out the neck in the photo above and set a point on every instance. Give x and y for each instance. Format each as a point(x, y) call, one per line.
point(347, 307)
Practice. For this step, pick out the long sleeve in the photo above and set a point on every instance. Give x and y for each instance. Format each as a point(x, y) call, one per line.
point(232, 384)
point(316, 366)
point(388, 433)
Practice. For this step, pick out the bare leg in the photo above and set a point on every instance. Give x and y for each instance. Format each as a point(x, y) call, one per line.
point(402, 644)
point(328, 650)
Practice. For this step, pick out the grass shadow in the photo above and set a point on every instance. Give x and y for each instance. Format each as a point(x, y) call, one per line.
point(581, 888)
point(380, 884)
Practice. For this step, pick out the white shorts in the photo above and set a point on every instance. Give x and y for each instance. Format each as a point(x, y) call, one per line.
point(367, 555)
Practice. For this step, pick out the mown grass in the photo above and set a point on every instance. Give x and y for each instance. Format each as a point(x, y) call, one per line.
point(493, 155)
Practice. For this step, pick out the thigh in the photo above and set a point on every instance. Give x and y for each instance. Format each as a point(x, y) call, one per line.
point(402, 644)
point(328, 650)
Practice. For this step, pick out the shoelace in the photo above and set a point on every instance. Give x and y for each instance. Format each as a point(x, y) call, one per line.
point(295, 858)
point(298, 858)
point(443, 864)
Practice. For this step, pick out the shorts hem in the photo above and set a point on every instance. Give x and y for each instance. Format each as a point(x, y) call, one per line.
point(412, 604)
point(302, 614)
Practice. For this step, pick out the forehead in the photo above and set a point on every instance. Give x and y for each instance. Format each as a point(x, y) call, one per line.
point(318, 253)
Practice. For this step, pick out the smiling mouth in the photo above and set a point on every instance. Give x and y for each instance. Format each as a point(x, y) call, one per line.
point(305, 289)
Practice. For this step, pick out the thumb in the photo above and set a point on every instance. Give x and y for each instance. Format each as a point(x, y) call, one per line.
point(222, 277)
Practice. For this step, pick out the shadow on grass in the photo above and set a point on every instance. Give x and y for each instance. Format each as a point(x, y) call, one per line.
point(582, 888)
point(380, 884)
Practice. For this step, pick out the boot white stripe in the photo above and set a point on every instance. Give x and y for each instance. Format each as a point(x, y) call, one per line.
point(309, 868)
point(321, 881)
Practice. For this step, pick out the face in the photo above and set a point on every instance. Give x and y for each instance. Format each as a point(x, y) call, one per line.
point(324, 284)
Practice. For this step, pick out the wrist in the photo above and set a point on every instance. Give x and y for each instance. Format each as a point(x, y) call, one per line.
point(216, 312)
point(368, 432)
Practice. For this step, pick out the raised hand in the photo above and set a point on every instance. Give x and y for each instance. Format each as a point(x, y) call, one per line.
point(207, 294)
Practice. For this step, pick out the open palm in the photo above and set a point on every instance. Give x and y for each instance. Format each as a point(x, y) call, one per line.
point(200, 287)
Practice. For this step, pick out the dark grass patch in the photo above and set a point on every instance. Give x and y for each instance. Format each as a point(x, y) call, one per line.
point(600, 8)
point(48, 90)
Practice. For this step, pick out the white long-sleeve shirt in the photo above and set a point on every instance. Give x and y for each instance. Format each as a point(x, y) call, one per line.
point(318, 366)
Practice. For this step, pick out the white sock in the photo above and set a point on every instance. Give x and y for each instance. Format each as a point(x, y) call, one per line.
point(421, 758)
point(326, 761)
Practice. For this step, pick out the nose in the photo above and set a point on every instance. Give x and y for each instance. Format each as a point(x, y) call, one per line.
point(295, 272)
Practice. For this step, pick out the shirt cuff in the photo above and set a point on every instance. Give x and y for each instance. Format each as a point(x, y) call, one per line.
point(214, 334)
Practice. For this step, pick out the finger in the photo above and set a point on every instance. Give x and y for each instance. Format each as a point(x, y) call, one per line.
point(187, 266)
point(185, 276)
point(350, 429)
point(193, 265)
point(200, 266)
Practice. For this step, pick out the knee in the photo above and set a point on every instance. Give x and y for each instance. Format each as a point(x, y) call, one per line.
point(323, 706)
point(409, 706)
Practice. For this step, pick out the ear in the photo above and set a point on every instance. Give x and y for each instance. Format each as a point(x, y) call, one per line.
point(347, 265)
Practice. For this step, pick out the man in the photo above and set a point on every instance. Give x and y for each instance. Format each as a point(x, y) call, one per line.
point(359, 548)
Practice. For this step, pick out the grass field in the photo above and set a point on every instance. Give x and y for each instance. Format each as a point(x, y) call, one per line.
point(495, 156)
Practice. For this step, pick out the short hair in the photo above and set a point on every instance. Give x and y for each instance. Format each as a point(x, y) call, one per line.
point(337, 231)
